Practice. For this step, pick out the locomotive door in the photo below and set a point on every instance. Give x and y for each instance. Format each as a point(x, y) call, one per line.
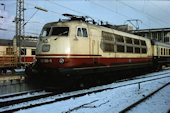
point(95, 51)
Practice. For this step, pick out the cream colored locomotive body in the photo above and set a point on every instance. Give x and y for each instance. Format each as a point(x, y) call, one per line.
point(84, 45)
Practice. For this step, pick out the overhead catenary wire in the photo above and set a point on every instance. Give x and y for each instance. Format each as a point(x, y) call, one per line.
point(53, 2)
point(25, 32)
point(31, 17)
point(163, 10)
point(153, 17)
point(116, 12)
point(108, 9)
point(44, 8)
point(100, 5)
point(81, 13)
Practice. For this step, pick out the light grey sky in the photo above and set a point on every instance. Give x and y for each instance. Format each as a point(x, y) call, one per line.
point(152, 13)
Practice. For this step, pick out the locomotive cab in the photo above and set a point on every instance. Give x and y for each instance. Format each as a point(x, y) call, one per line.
point(51, 37)
point(59, 41)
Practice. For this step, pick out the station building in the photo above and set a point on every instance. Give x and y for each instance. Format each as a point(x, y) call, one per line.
point(159, 34)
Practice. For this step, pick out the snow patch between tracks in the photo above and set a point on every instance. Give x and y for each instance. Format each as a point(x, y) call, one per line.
point(114, 100)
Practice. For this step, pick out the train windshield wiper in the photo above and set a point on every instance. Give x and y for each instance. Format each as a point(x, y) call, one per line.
point(66, 32)
point(60, 31)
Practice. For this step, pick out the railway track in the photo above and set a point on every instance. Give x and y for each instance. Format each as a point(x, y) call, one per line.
point(143, 76)
point(18, 94)
point(142, 99)
point(12, 105)
point(24, 98)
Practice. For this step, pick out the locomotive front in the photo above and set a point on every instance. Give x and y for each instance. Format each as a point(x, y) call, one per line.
point(53, 44)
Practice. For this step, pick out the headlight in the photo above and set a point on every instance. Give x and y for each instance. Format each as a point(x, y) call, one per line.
point(61, 61)
point(46, 48)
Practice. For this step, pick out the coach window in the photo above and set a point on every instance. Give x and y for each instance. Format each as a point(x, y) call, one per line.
point(137, 50)
point(107, 36)
point(161, 51)
point(128, 40)
point(144, 50)
point(164, 51)
point(82, 32)
point(120, 48)
point(136, 41)
point(129, 49)
point(32, 51)
point(143, 43)
point(108, 47)
point(167, 52)
point(107, 41)
point(119, 38)
point(9, 51)
point(23, 51)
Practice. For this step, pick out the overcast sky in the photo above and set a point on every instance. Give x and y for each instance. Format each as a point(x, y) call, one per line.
point(152, 13)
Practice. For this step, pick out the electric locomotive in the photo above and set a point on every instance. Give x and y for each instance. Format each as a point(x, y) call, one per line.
point(79, 44)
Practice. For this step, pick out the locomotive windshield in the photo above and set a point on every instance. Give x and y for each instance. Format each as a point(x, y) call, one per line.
point(60, 31)
point(45, 32)
point(55, 31)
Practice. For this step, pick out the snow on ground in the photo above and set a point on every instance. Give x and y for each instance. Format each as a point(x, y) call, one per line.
point(159, 102)
point(17, 70)
point(114, 100)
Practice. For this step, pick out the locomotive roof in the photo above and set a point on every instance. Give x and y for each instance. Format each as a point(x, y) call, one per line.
point(93, 25)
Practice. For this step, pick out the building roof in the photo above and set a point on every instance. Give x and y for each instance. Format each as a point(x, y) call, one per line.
point(160, 43)
point(153, 30)
point(27, 43)
point(24, 43)
point(6, 42)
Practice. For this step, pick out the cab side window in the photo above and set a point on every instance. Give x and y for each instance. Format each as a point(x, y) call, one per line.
point(82, 32)
point(79, 32)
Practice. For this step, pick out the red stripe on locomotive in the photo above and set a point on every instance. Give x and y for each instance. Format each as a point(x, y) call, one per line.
point(86, 62)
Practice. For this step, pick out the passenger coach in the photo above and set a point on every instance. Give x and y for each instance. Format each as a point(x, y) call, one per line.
point(10, 59)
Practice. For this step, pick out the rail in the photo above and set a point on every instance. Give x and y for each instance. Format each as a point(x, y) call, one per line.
point(141, 100)
point(64, 97)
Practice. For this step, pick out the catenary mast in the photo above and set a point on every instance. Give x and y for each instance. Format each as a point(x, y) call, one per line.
point(19, 19)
